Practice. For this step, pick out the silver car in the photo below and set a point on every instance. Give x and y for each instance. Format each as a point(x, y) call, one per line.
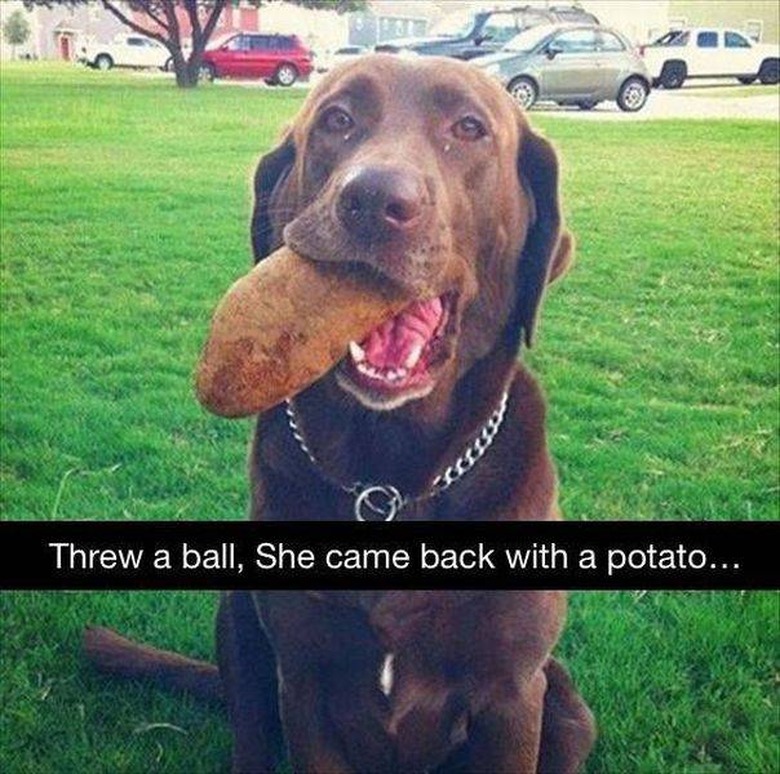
point(571, 64)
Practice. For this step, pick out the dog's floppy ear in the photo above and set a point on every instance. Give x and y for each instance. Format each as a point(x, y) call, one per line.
point(548, 247)
point(271, 173)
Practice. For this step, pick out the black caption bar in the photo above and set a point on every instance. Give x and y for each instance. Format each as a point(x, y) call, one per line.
point(422, 555)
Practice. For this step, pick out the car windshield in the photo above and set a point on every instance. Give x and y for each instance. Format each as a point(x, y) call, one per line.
point(528, 39)
point(220, 40)
point(671, 38)
point(455, 25)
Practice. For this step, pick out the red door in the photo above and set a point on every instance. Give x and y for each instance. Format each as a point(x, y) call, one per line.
point(65, 47)
point(249, 19)
point(233, 58)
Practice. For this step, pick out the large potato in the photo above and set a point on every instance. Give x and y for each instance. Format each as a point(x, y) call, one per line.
point(282, 326)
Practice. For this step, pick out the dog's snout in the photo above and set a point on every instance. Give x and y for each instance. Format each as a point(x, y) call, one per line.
point(377, 201)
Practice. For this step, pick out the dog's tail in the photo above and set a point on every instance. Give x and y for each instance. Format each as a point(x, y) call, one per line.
point(114, 654)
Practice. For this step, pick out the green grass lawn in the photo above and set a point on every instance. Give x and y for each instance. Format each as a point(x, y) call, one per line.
point(125, 206)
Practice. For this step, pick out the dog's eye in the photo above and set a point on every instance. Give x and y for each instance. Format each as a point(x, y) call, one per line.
point(337, 120)
point(469, 129)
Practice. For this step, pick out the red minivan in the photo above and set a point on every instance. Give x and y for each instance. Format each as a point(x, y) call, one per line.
point(279, 59)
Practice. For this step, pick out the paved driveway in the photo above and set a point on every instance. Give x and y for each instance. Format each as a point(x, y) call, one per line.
point(689, 102)
point(712, 100)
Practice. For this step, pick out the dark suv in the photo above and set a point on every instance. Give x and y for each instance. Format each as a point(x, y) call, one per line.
point(279, 59)
point(467, 35)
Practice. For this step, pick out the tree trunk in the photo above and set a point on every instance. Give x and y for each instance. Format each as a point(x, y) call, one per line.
point(163, 14)
point(187, 77)
point(187, 70)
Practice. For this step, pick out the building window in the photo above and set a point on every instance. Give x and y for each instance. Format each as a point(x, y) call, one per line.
point(754, 29)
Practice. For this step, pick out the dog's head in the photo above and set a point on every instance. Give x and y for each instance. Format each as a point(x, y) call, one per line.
point(427, 174)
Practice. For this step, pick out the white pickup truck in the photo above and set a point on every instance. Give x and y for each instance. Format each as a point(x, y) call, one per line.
point(709, 52)
point(125, 51)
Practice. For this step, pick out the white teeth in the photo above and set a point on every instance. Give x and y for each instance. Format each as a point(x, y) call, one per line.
point(357, 352)
point(413, 357)
point(390, 375)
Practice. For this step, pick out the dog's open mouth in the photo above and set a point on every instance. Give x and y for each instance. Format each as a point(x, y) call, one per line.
point(397, 360)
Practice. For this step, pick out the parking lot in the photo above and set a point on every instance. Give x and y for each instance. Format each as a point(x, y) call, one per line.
point(708, 99)
point(716, 100)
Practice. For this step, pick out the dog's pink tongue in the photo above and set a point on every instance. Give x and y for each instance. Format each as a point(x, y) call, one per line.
point(393, 343)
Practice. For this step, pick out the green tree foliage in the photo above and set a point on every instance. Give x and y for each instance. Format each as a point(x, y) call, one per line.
point(16, 30)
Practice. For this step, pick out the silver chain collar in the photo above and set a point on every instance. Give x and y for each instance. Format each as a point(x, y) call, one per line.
point(382, 502)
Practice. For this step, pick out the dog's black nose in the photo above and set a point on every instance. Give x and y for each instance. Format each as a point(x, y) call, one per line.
point(380, 202)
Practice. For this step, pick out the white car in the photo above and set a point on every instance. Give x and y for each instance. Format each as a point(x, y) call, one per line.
point(125, 51)
point(709, 52)
point(343, 54)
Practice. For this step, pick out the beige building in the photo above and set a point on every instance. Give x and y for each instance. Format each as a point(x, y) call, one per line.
point(759, 18)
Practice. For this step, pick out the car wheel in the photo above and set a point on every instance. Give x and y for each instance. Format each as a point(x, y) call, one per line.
point(747, 79)
point(673, 75)
point(286, 75)
point(207, 72)
point(587, 105)
point(168, 66)
point(104, 62)
point(769, 74)
point(633, 95)
point(523, 90)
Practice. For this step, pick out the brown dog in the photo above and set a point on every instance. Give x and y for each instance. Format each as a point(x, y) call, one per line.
point(427, 174)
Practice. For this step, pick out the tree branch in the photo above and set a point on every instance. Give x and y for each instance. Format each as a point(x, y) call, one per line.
point(174, 33)
point(200, 34)
point(211, 23)
point(192, 12)
point(151, 10)
point(111, 8)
